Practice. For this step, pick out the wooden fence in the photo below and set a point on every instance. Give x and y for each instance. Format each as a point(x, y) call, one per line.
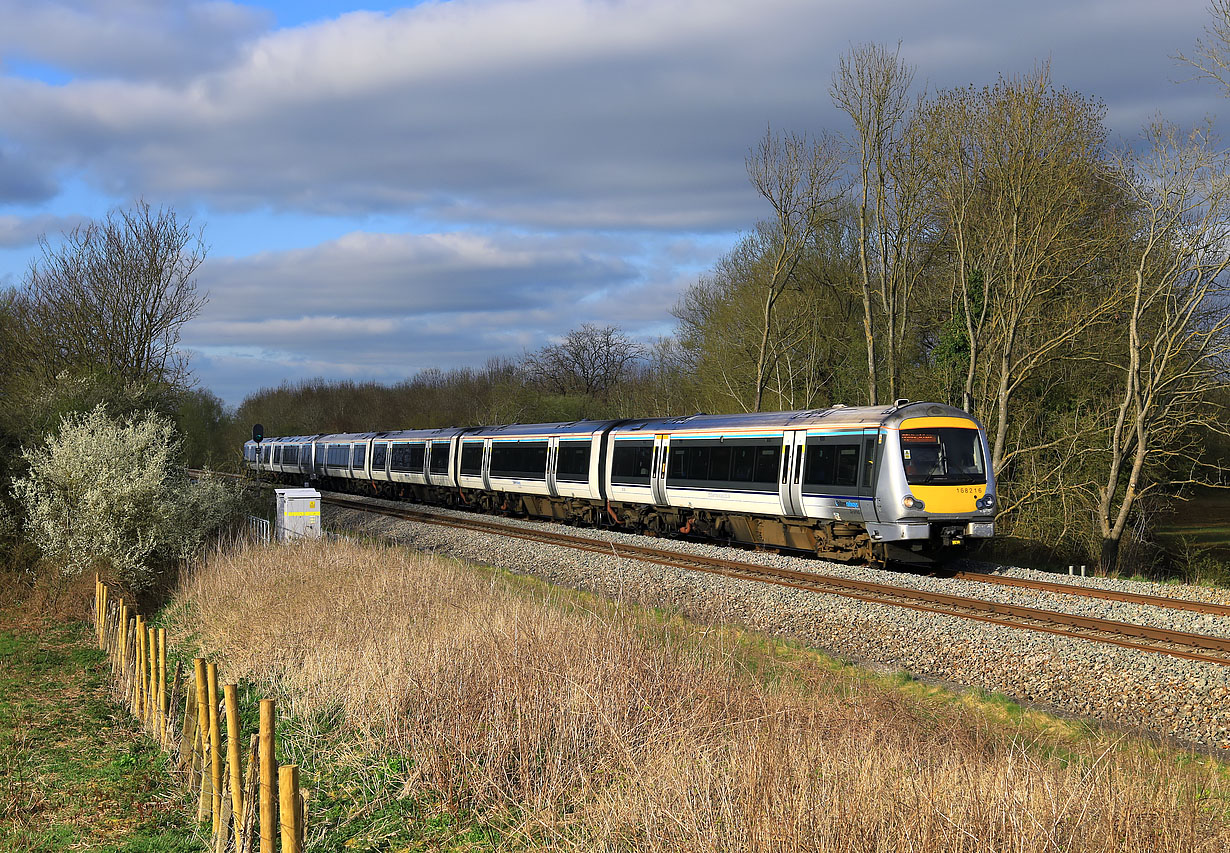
point(244, 803)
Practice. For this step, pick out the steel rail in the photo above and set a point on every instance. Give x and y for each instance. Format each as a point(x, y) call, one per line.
point(1159, 640)
point(1096, 592)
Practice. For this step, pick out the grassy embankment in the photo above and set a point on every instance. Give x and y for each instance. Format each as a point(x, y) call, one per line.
point(75, 772)
point(434, 705)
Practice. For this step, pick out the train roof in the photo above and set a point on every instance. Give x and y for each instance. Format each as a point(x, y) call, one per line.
point(835, 416)
point(564, 428)
point(288, 439)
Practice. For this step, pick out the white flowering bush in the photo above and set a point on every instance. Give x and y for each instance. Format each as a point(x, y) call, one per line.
point(114, 490)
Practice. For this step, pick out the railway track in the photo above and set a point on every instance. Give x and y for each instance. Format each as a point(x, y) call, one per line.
point(1055, 587)
point(1094, 592)
point(1180, 644)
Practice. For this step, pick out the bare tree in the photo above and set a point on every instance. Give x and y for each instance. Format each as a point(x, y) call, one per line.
point(797, 176)
point(1177, 323)
point(952, 159)
point(1041, 241)
point(589, 361)
point(1211, 57)
point(113, 295)
point(872, 85)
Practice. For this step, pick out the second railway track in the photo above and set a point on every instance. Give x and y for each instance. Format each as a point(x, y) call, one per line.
point(1187, 645)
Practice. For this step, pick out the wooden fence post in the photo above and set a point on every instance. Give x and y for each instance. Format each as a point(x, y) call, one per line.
point(269, 777)
point(251, 797)
point(177, 688)
point(233, 734)
point(187, 738)
point(106, 614)
point(215, 747)
point(204, 806)
point(151, 699)
point(123, 635)
point(161, 720)
point(292, 828)
point(99, 610)
point(140, 672)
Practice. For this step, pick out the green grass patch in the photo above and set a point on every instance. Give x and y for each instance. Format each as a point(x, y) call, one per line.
point(1201, 523)
point(75, 772)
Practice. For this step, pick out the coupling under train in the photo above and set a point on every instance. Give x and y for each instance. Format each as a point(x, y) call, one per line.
point(906, 483)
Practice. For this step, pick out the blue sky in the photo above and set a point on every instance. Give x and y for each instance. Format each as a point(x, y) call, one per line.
point(390, 187)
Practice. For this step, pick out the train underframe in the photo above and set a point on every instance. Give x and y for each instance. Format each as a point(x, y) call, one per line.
point(830, 540)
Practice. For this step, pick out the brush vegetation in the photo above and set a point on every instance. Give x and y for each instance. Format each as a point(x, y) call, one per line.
point(438, 705)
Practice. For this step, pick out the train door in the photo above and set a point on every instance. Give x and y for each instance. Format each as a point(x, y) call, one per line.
point(873, 447)
point(552, 458)
point(657, 471)
point(794, 453)
point(486, 466)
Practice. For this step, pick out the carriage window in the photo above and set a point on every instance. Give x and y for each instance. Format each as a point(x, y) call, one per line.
point(767, 460)
point(630, 462)
point(290, 455)
point(731, 465)
point(407, 458)
point(339, 456)
point(319, 456)
point(472, 458)
point(572, 461)
point(277, 455)
point(359, 457)
point(526, 460)
point(379, 452)
point(439, 457)
point(831, 465)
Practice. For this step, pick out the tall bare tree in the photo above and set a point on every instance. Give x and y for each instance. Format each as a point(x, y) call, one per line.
point(872, 86)
point(797, 176)
point(112, 296)
point(1176, 352)
point(1041, 240)
point(952, 159)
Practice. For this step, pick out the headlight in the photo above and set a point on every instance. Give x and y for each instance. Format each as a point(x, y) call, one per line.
point(911, 502)
point(986, 503)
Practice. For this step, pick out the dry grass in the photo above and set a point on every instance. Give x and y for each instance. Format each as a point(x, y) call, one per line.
point(611, 729)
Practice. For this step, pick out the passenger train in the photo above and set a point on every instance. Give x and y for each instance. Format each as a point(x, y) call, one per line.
point(907, 482)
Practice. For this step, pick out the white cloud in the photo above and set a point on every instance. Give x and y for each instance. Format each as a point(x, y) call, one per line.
point(162, 39)
point(543, 113)
point(20, 231)
point(385, 306)
point(397, 275)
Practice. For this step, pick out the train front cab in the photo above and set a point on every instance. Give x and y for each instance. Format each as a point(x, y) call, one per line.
point(936, 491)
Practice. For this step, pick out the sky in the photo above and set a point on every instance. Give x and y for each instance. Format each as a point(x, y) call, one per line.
point(390, 187)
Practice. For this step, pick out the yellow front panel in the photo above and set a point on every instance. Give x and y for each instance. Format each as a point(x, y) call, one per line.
point(945, 499)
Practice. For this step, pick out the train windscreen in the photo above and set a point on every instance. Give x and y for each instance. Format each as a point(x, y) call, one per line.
point(946, 456)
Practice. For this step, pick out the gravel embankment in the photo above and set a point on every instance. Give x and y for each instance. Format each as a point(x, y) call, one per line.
point(1185, 700)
